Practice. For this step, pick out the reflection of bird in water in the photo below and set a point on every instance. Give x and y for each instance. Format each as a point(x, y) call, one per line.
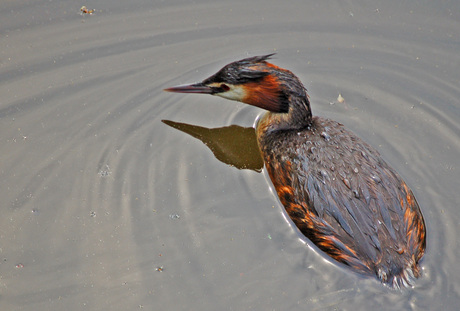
point(233, 145)
point(336, 188)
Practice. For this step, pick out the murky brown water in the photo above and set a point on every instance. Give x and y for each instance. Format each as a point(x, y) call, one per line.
point(107, 208)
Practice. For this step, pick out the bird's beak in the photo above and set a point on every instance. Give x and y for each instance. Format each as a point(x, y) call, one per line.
point(196, 88)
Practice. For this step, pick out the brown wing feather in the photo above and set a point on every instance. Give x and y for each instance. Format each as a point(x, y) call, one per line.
point(347, 200)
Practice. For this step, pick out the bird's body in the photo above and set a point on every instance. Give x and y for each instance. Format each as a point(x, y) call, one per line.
point(336, 188)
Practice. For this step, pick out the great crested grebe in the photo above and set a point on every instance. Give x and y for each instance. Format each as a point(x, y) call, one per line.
point(336, 188)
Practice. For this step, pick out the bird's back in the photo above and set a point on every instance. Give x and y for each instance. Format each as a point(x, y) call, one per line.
point(343, 196)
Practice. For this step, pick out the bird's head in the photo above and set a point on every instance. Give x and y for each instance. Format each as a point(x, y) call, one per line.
point(253, 81)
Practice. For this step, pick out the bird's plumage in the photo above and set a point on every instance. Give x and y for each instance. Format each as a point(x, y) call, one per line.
point(336, 188)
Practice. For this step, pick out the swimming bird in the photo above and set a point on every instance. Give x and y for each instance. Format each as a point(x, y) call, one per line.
point(336, 188)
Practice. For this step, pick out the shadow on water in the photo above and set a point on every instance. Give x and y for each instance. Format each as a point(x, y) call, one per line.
point(233, 145)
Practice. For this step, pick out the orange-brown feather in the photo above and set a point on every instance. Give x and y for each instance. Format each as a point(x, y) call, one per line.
point(263, 94)
point(308, 222)
point(415, 226)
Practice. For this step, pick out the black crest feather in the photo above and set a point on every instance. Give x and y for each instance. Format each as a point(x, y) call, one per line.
point(239, 72)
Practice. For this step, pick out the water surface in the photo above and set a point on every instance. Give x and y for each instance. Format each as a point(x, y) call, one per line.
point(107, 208)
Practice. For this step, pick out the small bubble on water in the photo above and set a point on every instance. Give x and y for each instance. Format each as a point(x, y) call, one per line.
point(105, 172)
point(340, 99)
point(174, 216)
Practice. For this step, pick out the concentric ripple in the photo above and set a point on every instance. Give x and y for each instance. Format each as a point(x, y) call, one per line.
point(106, 207)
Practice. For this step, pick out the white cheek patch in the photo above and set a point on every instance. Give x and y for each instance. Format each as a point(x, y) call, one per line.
point(236, 92)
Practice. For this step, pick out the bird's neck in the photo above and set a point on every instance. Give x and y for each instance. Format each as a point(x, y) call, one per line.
point(298, 117)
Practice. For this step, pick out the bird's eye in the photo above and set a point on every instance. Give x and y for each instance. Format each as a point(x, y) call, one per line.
point(224, 87)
